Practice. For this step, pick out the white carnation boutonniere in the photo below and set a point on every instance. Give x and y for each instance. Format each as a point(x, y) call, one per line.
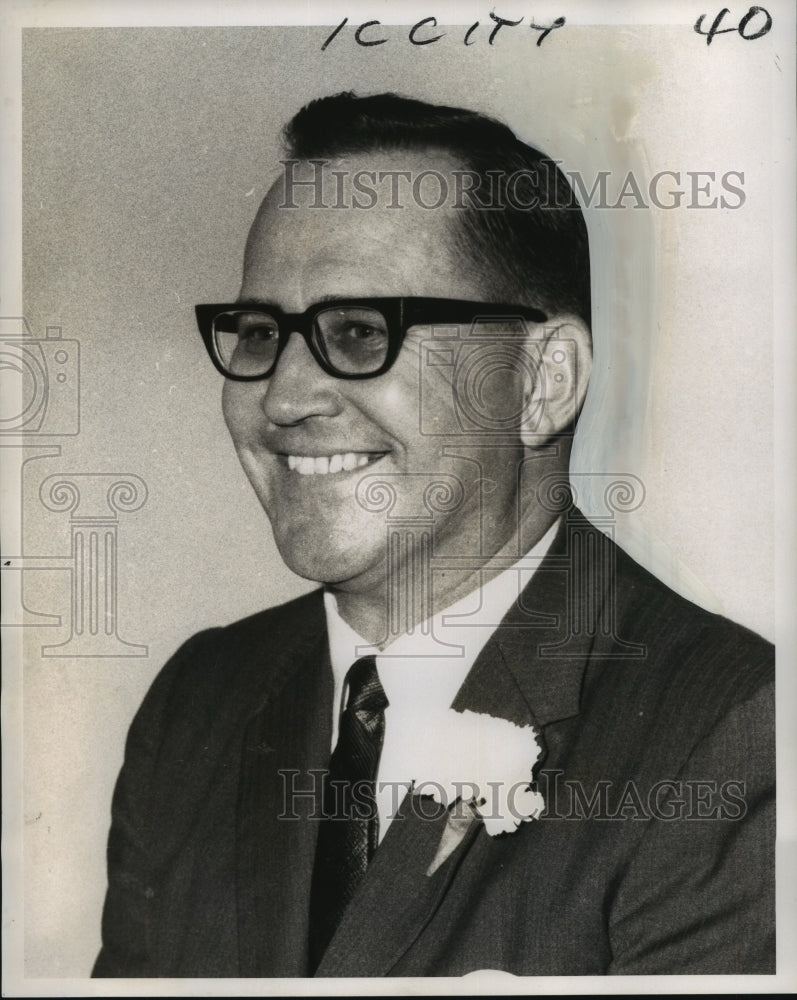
point(476, 765)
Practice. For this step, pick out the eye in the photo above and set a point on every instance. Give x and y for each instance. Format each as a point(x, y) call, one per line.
point(361, 331)
point(353, 338)
point(257, 328)
point(353, 326)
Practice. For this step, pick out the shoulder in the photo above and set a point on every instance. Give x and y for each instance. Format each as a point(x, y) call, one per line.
point(219, 675)
point(732, 658)
point(665, 673)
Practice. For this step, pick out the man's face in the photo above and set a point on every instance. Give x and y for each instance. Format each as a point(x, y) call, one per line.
point(301, 419)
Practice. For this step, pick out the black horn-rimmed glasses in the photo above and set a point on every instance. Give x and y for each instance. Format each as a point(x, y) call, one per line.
point(353, 338)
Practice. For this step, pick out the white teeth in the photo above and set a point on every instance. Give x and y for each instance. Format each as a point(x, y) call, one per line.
point(322, 465)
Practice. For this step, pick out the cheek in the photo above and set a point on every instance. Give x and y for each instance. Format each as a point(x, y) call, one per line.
point(393, 400)
point(482, 394)
point(237, 404)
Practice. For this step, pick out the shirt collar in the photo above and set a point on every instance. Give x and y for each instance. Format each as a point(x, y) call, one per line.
point(430, 664)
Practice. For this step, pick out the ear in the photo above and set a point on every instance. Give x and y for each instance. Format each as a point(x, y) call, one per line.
point(554, 390)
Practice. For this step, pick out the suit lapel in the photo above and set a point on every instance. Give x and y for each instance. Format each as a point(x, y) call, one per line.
point(532, 668)
point(286, 739)
point(397, 898)
point(530, 672)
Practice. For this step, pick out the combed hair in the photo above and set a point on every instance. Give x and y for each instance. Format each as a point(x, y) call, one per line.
point(538, 255)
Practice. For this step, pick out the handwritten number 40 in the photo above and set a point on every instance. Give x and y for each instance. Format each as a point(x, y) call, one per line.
point(742, 29)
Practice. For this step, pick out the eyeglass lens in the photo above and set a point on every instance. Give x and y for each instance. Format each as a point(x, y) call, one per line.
point(351, 339)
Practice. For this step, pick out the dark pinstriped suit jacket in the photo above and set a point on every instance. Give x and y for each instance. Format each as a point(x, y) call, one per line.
point(656, 854)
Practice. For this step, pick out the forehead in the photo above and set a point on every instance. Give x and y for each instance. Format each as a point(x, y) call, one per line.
point(333, 237)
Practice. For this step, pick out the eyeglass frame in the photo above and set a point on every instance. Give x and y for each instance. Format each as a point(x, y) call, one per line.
point(399, 312)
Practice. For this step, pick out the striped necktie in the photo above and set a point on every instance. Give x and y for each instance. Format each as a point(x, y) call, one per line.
point(349, 832)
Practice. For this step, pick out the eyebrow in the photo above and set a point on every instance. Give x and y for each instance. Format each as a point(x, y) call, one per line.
point(259, 303)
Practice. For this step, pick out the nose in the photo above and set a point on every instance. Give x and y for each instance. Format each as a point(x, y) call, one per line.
point(298, 388)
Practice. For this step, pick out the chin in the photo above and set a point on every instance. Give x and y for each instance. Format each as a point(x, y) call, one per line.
point(321, 562)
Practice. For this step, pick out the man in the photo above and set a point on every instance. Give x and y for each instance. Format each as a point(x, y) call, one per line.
point(401, 384)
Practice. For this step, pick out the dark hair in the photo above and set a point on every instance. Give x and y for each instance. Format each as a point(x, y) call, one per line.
point(539, 253)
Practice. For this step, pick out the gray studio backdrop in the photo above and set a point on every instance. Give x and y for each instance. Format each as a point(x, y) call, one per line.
point(145, 155)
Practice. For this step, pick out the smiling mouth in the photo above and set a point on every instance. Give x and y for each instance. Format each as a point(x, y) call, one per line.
point(324, 465)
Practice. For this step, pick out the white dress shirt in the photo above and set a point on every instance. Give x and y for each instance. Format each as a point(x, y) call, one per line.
point(426, 668)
